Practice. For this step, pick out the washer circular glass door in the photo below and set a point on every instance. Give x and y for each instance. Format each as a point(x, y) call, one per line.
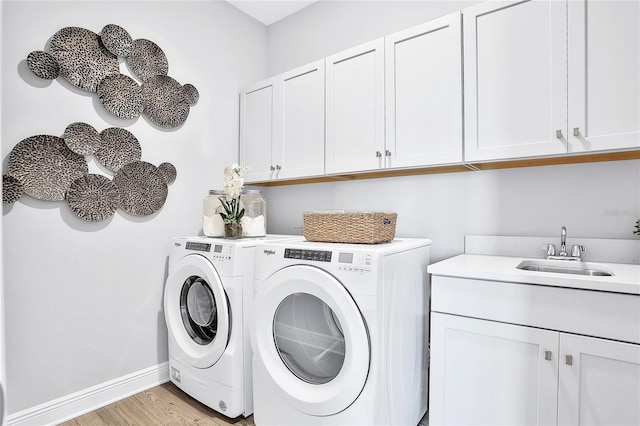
point(197, 311)
point(311, 339)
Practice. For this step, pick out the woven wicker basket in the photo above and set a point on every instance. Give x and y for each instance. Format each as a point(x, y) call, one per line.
point(339, 226)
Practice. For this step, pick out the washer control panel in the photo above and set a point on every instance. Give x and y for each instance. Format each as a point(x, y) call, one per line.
point(197, 246)
point(220, 252)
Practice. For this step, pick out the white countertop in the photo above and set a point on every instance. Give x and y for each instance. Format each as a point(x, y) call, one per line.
point(626, 278)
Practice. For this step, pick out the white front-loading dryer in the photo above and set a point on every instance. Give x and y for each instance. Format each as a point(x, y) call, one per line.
point(339, 333)
point(207, 297)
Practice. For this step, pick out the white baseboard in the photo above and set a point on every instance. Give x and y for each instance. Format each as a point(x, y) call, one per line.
point(82, 402)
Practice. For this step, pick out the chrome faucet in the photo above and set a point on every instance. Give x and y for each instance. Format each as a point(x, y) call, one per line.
point(563, 241)
point(576, 250)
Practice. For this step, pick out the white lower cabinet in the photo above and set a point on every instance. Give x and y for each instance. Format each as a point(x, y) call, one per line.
point(505, 370)
point(485, 372)
point(599, 382)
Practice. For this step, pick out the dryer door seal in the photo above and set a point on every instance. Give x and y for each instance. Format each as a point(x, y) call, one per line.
point(311, 339)
point(197, 311)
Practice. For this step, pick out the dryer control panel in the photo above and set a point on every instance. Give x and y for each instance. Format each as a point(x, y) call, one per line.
point(319, 255)
point(354, 262)
point(346, 261)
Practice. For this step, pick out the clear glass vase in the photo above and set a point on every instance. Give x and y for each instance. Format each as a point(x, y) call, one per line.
point(254, 221)
point(233, 230)
point(212, 224)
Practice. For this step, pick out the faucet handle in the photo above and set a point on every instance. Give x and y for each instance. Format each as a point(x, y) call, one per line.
point(576, 250)
point(550, 249)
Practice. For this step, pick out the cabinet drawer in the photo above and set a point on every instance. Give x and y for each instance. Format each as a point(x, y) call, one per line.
point(593, 313)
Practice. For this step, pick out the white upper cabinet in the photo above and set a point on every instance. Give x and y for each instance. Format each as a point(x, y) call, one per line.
point(545, 77)
point(299, 129)
point(499, 80)
point(257, 111)
point(423, 75)
point(515, 84)
point(282, 125)
point(355, 109)
point(604, 75)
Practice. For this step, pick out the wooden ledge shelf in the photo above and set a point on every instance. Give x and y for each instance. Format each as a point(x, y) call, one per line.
point(467, 167)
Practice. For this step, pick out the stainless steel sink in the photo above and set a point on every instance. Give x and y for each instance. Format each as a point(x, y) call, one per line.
point(566, 267)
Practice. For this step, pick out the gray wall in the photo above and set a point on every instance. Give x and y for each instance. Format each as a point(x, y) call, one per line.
point(592, 200)
point(84, 300)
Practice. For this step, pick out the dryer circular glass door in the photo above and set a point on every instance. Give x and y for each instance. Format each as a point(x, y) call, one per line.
point(197, 311)
point(311, 339)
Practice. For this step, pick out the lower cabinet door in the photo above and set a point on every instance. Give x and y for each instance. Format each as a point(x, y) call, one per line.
point(490, 373)
point(599, 382)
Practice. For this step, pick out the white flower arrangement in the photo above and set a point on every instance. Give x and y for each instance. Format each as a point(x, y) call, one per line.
point(233, 183)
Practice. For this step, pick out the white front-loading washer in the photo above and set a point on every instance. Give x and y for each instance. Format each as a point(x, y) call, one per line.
point(207, 297)
point(340, 332)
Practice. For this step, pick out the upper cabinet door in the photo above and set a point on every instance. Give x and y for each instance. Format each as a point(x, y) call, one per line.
point(515, 79)
point(299, 128)
point(355, 109)
point(423, 75)
point(256, 129)
point(604, 75)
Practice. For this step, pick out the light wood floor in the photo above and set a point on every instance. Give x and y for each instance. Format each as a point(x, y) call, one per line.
point(162, 405)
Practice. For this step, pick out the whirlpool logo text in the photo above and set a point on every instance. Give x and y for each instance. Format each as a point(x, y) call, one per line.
point(269, 252)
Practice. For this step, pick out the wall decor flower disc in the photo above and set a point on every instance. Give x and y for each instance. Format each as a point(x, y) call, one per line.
point(164, 101)
point(116, 39)
point(45, 166)
point(169, 172)
point(90, 61)
point(93, 197)
point(147, 59)
point(121, 96)
point(143, 189)
point(11, 189)
point(82, 138)
point(191, 94)
point(83, 59)
point(43, 65)
point(119, 147)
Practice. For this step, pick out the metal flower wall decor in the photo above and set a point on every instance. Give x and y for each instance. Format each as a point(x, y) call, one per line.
point(90, 61)
point(53, 168)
